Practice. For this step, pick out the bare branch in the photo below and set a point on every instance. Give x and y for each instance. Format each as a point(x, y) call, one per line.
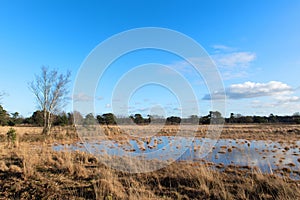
point(2, 94)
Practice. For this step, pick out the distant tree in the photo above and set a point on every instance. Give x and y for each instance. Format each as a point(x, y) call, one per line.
point(77, 118)
point(50, 90)
point(216, 117)
point(109, 118)
point(37, 118)
point(4, 117)
point(121, 119)
point(138, 119)
point(285, 119)
point(231, 118)
point(173, 120)
point(149, 120)
point(260, 119)
point(89, 119)
point(61, 119)
point(100, 119)
point(297, 120)
point(273, 118)
point(156, 119)
point(194, 119)
point(15, 119)
point(213, 117)
point(296, 114)
point(245, 119)
point(18, 119)
point(70, 118)
point(204, 119)
point(296, 117)
point(215, 114)
point(15, 115)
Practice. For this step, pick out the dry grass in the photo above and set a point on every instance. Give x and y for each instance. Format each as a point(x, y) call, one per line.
point(278, 132)
point(28, 173)
point(21, 130)
point(33, 171)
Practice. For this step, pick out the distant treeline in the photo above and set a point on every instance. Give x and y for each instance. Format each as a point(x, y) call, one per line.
point(63, 119)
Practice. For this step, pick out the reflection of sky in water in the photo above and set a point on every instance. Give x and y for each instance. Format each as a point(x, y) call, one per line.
point(261, 153)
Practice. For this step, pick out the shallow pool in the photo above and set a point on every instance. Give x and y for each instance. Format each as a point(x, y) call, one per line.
point(265, 155)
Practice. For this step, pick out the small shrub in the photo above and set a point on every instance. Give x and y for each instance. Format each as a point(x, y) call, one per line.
point(12, 136)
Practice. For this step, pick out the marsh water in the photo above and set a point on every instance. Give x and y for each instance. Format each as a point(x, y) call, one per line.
point(265, 155)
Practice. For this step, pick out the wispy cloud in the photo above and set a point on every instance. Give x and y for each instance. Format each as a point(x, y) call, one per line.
point(141, 110)
point(262, 105)
point(177, 109)
point(287, 106)
point(252, 90)
point(231, 63)
point(287, 99)
point(81, 97)
point(220, 47)
point(235, 59)
point(234, 74)
point(182, 67)
point(100, 98)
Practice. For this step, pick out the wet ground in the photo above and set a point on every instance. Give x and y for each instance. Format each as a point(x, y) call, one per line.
point(267, 156)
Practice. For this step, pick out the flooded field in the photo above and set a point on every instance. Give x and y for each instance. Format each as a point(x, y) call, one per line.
point(265, 155)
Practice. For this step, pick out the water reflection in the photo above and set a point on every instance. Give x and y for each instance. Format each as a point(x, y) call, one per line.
point(266, 155)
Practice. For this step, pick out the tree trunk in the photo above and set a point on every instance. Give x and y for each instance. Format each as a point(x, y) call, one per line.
point(47, 124)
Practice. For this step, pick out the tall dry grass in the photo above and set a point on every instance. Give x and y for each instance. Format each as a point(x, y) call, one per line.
point(36, 172)
point(32, 170)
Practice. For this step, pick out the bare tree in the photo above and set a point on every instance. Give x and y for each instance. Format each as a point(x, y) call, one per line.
point(50, 90)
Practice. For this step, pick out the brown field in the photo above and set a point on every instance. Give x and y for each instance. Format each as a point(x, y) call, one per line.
point(274, 132)
point(30, 169)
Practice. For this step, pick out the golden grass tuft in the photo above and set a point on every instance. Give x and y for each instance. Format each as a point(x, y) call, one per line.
point(3, 166)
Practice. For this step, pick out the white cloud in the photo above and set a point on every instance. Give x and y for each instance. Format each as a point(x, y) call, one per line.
point(235, 59)
point(251, 90)
point(107, 105)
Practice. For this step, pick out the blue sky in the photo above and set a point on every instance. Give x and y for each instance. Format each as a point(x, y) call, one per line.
point(255, 45)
